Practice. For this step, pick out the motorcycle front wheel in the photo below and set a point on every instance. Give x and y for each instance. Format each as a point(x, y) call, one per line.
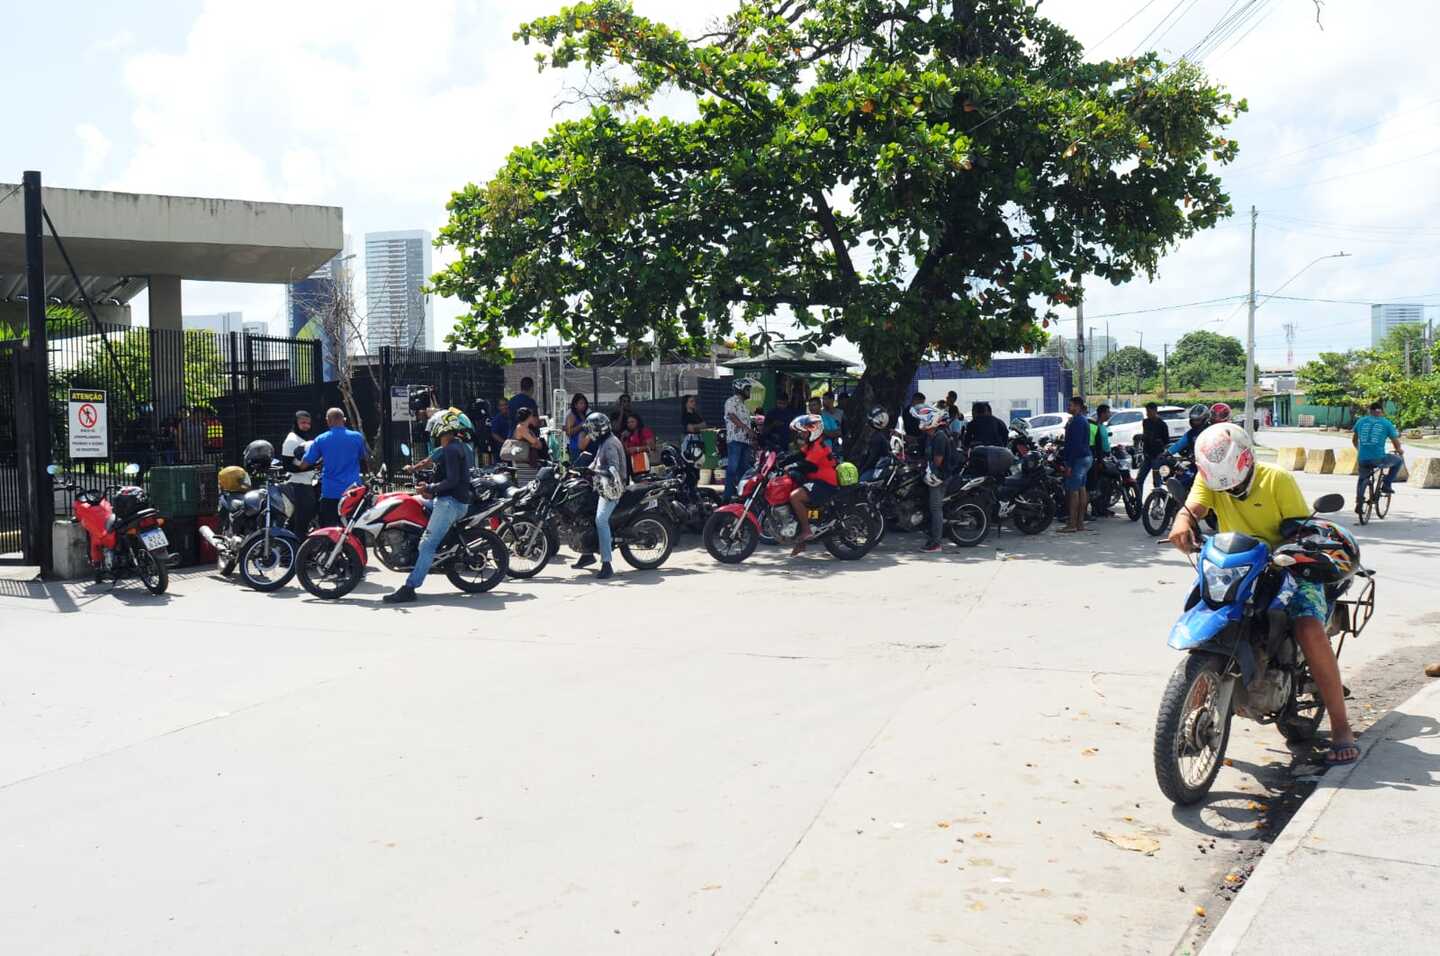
point(648, 541)
point(267, 569)
point(335, 581)
point(1190, 737)
point(1155, 513)
point(1132, 502)
point(153, 570)
point(481, 564)
point(967, 523)
point(856, 532)
point(729, 537)
point(530, 545)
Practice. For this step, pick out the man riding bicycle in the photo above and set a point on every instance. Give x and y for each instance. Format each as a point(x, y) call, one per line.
point(1369, 439)
point(1256, 499)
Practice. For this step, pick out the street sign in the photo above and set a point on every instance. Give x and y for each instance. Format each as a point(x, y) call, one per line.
point(89, 431)
point(400, 404)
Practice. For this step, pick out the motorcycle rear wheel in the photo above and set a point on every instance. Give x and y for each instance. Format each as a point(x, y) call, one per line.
point(1033, 516)
point(270, 572)
point(856, 532)
point(1155, 513)
point(1299, 726)
point(1189, 747)
point(658, 535)
point(730, 538)
point(1132, 502)
point(967, 523)
point(481, 565)
point(530, 545)
point(154, 573)
point(335, 582)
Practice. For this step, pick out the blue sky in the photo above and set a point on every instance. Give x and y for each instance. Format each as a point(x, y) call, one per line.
point(384, 108)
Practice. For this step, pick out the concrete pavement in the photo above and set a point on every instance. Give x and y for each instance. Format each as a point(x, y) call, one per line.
point(909, 752)
point(1358, 867)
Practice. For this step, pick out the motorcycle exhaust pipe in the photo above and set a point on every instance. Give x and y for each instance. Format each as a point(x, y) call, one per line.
point(209, 535)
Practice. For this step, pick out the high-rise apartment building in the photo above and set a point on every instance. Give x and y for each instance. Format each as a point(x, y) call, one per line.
point(397, 266)
point(225, 323)
point(1384, 318)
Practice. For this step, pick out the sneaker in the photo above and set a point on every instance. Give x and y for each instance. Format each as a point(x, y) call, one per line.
point(401, 595)
point(1387, 492)
point(606, 571)
point(584, 561)
point(931, 547)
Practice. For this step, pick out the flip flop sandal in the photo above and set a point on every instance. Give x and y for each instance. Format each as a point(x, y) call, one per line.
point(1332, 760)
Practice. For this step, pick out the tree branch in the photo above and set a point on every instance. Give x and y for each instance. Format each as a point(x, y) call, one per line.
point(826, 218)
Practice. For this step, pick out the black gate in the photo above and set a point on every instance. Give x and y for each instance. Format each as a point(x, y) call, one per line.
point(11, 527)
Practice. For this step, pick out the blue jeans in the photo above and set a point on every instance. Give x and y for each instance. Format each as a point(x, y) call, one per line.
point(1148, 468)
point(604, 508)
point(1392, 462)
point(445, 512)
point(737, 462)
point(1079, 473)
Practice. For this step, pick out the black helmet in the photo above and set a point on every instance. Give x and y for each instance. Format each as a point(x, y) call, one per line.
point(879, 418)
point(598, 424)
point(670, 457)
point(1199, 415)
point(692, 449)
point(258, 455)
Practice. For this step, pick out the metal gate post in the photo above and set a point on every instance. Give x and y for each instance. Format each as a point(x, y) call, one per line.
point(384, 404)
point(233, 435)
point(317, 375)
point(33, 396)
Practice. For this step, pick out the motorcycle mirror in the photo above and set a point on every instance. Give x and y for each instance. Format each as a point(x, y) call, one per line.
point(52, 470)
point(1176, 490)
point(134, 469)
point(1329, 504)
point(405, 449)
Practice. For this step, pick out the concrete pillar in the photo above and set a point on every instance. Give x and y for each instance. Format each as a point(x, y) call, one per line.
point(167, 353)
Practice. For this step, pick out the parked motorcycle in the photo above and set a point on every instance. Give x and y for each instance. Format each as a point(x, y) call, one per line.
point(1117, 483)
point(562, 500)
point(848, 525)
point(1158, 511)
point(897, 491)
point(690, 504)
point(126, 535)
point(1241, 657)
point(253, 532)
point(1025, 497)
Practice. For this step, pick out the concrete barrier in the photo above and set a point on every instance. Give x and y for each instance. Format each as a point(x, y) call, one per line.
point(1427, 473)
point(1320, 461)
point(1291, 459)
point(70, 547)
point(1347, 462)
point(1404, 474)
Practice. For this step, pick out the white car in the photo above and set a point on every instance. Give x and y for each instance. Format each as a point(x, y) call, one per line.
point(1127, 424)
point(1051, 425)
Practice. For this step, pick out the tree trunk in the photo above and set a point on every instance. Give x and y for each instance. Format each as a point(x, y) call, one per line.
point(889, 389)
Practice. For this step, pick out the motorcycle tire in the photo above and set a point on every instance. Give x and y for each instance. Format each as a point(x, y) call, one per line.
point(1032, 516)
point(227, 565)
point(730, 538)
point(482, 566)
point(1295, 725)
point(1155, 513)
point(651, 526)
point(341, 577)
point(842, 541)
point(154, 572)
point(1175, 723)
point(1132, 502)
point(967, 523)
point(536, 556)
point(271, 573)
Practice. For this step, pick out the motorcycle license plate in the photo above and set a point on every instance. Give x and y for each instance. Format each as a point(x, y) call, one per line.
point(154, 539)
point(814, 514)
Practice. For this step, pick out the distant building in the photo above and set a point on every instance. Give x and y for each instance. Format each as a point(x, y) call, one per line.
point(1384, 319)
point(306, 303)
point(1015, 388)
point(225, 323)
point(397, 266)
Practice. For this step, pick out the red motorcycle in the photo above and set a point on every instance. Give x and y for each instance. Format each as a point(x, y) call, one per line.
point(332, 560)
point(848, 525)
point(126, 534)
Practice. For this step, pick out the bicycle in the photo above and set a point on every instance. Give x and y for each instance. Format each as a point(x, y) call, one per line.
point(1372, 500)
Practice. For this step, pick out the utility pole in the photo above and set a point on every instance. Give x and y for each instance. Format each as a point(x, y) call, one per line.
point(1080, 336)
point(1090, 349)
point(1407, 358)
point(1250, 337)
point(1109, 352)
point(37, 511)
point(1427, 361)
point(1165, 371)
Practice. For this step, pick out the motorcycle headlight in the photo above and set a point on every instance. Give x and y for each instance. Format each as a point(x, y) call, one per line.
point(1164, 471)
point(1221, 583)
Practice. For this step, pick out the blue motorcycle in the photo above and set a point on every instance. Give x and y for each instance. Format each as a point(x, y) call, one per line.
point(1241, 657)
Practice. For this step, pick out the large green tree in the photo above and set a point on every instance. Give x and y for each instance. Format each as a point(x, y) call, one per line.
point(1207, 360)
point(1126, 368)
point(923, 178)
point(1329, 380)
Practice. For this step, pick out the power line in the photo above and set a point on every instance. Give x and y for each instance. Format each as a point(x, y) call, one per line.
point(1128, 20)
point(1357, 172)
point(1168, 308)
point(1348, 133)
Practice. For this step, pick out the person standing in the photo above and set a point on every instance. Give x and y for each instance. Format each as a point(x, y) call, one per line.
point(300, 486)
point(344, 454)
point(739, 435)
point(691, 421)
point(524, 398)
point(622, 408)
point(985, 428)
point(639, 443)
point(609, 469)
point(190, 435)
point(913, 439)
point(876, 444)
point(1369, 437)
point(834, 417)
point(450, 494)
point(500, 428)
point(777, 425)
point(1154, 438)
point(1078, 459)
point(938, 461)
point(577, 439)
point(1099, 448)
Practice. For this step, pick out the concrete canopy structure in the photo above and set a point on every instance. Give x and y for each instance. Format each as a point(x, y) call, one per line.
point(122, 243)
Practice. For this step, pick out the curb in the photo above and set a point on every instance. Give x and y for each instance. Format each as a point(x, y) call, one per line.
point(1274, 868)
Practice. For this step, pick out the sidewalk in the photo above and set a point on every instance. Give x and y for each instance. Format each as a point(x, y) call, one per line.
point(1358, 868)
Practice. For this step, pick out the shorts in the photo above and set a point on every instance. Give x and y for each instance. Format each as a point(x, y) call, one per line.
point(1308, 601)
point(819, 491)
point(1079, 472)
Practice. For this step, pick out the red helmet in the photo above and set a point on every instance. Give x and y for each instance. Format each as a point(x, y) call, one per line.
point(1219, 412)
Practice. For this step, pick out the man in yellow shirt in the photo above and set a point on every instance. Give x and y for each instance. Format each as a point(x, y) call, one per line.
point(1255, 499)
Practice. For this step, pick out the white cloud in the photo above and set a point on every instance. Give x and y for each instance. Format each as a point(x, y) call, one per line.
point(94, 150)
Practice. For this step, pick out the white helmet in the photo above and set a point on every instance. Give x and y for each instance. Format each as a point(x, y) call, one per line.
point(929, 417)
point(808, 427)
point(1225, 458)
point(879, 418)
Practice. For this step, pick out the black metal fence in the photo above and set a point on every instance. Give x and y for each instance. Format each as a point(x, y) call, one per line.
point(10, 498)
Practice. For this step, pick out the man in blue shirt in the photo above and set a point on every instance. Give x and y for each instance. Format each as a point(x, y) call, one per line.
point(523, 399)
point(1369, 437)
point(343, 453)
point(1078, 459)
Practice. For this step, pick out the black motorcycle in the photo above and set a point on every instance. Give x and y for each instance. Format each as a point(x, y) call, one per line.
point(1116, 484)
point(690, 504)
point(1025, 496)
point(896, 491)
point(253, 533)
point(564, 501)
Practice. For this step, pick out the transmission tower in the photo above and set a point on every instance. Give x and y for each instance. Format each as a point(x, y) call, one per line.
point(1290, 346)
